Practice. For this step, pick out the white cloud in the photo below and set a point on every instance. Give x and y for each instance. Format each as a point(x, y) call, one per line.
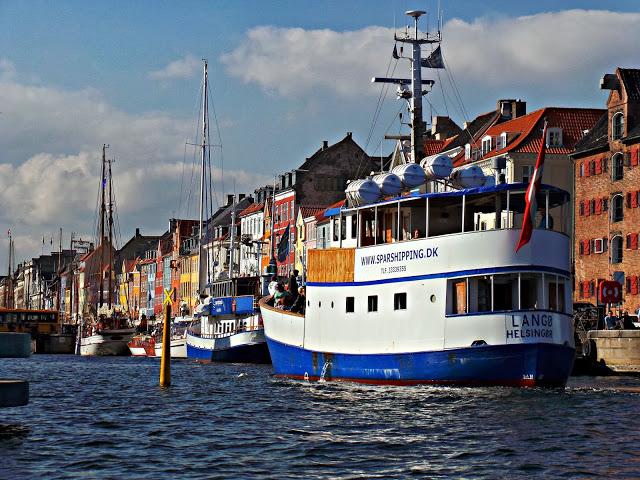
point(560, 50)
point(185, 67)
point(50, 161)
point(7, 69)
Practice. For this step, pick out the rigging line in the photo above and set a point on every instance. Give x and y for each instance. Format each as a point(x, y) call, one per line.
point(381, 98)
point(444, 100)
point(465, 115)
point(194, 152)
point(184, 159)
point(215, 118)
point(211, 183)
point(389, 128)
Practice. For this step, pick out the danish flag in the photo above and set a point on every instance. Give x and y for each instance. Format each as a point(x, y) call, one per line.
point(531, 207)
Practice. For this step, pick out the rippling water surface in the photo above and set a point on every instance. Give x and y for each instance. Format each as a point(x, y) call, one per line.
point(107, 418)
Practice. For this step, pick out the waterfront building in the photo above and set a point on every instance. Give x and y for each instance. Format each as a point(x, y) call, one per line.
point(305, 235)
point(251, 235)
point(320, 180)
point(607, 190)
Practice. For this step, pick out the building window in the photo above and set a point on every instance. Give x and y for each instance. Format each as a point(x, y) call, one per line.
point(372, 303)
point(554, 137)
point(527, 172)
point(616, 249)
point(486, 145)
point(617, 213)
point(617, 166)
point(617, 126)
point(400, 301)
point(350, 305)
point(501, 141)
point(581, 169)
point(467, 151)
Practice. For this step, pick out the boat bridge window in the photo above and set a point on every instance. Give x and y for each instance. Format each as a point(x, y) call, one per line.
point(506, 292)
point(434, 215)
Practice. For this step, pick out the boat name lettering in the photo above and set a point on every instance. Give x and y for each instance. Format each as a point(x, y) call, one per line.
point(525, 326)
point(414, 254)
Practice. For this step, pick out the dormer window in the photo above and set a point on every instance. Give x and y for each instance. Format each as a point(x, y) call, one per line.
point(467, 151)
point(554, 137)
point(617, 126)
point(501, 141)
point(486, 145)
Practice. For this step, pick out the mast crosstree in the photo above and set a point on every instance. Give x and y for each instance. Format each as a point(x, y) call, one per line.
point(414, 95)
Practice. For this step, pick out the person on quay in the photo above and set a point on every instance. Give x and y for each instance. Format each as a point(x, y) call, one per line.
point(610, 321)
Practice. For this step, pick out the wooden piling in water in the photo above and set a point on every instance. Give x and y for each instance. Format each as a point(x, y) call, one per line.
point(165, 360)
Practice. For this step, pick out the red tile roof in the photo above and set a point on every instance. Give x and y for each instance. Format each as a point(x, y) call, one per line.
point(573, 122)
point(254, 207)
point(311, 211)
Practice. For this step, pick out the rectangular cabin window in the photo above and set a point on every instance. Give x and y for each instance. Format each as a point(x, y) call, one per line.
point(400, 301)
point(350, 305)
point(354, 225)
point(336, 226)
point(480, 294)
point(372, 303)
point(529, 297)
point(343, 228)
point(459, 296)
point(505, 291)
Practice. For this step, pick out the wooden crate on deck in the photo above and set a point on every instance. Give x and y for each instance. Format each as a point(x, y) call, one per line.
point(331, 265)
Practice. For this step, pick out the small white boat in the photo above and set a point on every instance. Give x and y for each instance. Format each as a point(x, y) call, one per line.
point(107, 342)
point(178, 338)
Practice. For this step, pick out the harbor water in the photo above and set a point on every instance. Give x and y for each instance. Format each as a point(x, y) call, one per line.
point(107, 418)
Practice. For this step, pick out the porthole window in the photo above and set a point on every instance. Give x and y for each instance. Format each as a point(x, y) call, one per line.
point(432, 298)
point(331, 304)
point(319, 304)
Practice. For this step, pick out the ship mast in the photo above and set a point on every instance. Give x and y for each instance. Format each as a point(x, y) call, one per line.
point(205, 126)
point(103, 185)
point(414, 96)
point(110, 235)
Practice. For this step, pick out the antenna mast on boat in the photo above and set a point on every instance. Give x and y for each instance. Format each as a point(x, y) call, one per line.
point(205, 126)
point(414, 97)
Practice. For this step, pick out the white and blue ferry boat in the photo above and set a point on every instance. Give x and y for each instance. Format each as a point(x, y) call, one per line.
point(228, 328)
point(427, 288)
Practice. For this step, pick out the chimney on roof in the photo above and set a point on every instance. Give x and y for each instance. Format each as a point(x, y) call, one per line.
point(137, 232)
point(241, 196)
point(442, 127)
point(325, 144)
point(511, 108)
point(349, 134)
point(609, 82)
point(229, 199)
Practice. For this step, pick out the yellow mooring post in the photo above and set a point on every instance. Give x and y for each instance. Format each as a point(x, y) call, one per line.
point(165, 360)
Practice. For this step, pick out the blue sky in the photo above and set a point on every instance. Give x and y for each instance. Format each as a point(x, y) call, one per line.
point(285, 77)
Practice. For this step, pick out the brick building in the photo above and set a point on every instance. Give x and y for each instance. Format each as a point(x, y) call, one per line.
point(607, 187)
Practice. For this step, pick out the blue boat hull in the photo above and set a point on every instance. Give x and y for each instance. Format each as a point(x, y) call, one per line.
point(541, 364)
point(256, 353)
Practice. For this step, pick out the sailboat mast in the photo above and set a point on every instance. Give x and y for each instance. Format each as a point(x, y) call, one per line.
point(232, 235)
point(110, 235)
point(103, 185)
point(201, 259)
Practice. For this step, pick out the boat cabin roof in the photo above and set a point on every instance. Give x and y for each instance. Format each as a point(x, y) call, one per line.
point(484, 195)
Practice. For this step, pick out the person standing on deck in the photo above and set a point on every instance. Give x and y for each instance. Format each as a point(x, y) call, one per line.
point(293, 284)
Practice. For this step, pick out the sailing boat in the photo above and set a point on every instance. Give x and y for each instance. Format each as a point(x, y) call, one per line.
point(230, 326)
point(105, 333)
